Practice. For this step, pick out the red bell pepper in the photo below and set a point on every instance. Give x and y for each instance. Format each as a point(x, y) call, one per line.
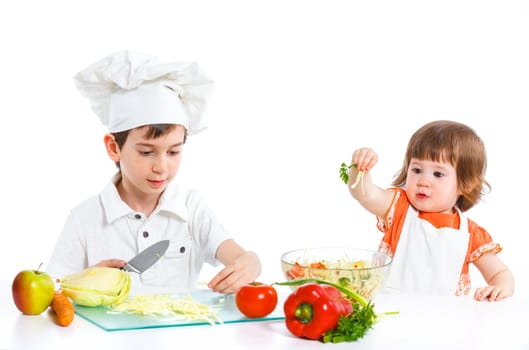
point(314, 309)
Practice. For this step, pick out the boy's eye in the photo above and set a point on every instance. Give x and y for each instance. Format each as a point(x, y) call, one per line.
point(145, 153)
point(173, 153)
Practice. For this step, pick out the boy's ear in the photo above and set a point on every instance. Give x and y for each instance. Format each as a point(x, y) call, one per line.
point(112, 147)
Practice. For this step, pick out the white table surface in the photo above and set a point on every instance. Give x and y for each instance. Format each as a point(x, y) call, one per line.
point(423, 323)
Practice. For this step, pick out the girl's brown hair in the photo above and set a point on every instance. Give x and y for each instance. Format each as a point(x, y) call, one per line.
point(153, 131)
point(457, 144)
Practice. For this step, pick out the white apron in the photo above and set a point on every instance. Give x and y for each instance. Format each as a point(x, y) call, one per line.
point(428, 260)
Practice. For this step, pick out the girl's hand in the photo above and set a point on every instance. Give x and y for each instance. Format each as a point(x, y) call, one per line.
point(490, 293)
point(372, 197)
point(498, 277)
point(364, 158)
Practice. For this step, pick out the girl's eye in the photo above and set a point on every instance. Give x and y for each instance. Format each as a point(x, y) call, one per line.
point(416, 170)
point(438, 174)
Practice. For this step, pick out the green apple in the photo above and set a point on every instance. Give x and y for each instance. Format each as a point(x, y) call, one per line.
point(32, 291)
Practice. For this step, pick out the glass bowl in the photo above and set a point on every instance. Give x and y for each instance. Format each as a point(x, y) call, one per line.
point(360, 270)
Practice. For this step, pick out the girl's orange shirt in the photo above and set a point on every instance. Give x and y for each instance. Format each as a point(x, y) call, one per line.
point(480, 241)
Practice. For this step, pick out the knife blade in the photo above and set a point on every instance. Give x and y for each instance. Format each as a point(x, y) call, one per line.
point(147, 257)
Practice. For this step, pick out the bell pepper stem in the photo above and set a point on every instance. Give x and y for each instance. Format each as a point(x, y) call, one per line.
point(304, 313)
point(353, 295)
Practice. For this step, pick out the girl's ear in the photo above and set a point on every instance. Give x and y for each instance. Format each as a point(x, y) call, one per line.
point(112, 147)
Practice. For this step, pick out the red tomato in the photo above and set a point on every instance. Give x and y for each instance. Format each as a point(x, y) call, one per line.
point(256, 299)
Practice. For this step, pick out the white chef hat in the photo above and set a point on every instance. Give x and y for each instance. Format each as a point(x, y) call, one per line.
point(130, 89)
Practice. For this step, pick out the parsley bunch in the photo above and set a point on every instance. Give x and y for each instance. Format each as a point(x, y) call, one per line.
point(353, 326)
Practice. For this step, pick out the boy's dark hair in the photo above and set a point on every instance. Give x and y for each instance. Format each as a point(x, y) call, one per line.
point(153, 132)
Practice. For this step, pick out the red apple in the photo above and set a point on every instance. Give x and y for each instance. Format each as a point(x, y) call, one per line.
point(32, 291)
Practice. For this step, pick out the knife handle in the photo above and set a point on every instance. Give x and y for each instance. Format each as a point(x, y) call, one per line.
point(129, 268)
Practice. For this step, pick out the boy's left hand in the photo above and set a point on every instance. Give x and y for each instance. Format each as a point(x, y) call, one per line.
point(241, 267)
point(229, 279)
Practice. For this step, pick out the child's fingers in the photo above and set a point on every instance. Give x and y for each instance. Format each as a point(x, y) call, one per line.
point(117, 263)
point(481, 293)
point(217, 282)
point(496, 294)
point(489, 293)
point(364, 158)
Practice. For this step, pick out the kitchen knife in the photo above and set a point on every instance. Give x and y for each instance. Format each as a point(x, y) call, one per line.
point(147, 257)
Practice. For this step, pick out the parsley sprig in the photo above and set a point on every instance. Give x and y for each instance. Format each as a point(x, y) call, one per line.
point(344, 175)
point(344, 172)
point(353, 326)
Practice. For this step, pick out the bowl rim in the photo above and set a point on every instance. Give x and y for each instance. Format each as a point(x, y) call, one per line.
point(389, 258)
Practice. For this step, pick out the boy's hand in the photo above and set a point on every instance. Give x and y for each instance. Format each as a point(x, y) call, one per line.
point(230, 279)
point(116, 263)
point(241, 267)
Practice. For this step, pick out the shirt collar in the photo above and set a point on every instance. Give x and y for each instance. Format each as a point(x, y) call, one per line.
point(172, 201)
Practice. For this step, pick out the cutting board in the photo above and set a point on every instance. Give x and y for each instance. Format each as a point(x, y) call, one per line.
point(225, 304)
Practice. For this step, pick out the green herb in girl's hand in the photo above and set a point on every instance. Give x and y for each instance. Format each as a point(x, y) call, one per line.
point(344, 175)
point(344, 172)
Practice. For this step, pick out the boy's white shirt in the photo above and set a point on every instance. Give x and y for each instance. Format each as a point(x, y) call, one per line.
point(104, 227)
point(428, 260)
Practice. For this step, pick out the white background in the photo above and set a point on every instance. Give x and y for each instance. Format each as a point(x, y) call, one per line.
point(299, 86)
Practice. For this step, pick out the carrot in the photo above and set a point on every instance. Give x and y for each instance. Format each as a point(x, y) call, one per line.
point(63, 308)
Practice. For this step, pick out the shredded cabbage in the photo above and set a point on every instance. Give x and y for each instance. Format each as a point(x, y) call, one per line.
point(181, 308)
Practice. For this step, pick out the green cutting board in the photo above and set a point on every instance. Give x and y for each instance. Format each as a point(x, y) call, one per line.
point(225, 304)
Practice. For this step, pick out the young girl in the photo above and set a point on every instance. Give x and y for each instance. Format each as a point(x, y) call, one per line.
point(149, 108)
point(431, 241)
